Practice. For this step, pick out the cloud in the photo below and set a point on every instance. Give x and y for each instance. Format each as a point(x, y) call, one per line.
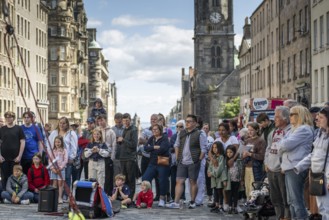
point(237, 40)
point(93, 22)
point(156, 58)
point(130, 21)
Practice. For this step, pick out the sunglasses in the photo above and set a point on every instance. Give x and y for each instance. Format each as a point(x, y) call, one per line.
point(179, 126)
point(292, 114)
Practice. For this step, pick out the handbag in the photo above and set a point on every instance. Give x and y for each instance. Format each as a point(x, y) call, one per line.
point(163, 161)
point(317, 183)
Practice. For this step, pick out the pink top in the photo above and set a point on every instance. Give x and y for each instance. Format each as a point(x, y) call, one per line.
point(61, 156)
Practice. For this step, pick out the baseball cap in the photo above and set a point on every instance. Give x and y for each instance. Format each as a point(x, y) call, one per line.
point(90, 120)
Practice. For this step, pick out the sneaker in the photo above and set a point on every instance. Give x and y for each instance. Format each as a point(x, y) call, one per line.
point(225, 207)
point(161, 203)
point(6, 201)
point(239, 209)
point(156, 198)
point(25, 202)
point(199, 204)
point(60, 201)
point(214, 210)
point(173, 205)
point(230, 210)
point(123, 206)
point(212, 205)
point(143, 205)
point(192, 206)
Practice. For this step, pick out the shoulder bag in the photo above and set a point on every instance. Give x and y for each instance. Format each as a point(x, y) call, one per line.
point(317, 183)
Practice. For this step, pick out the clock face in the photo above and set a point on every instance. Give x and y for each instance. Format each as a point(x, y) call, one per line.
point(215, 17)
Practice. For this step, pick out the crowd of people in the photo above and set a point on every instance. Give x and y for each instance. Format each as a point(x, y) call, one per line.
point(221, 164)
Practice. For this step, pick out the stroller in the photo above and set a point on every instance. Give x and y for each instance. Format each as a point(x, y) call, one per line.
point(260, 205)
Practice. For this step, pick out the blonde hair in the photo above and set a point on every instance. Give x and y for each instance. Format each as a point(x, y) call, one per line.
point(303, 114)
point(18, 167)
point(97, 129)
point(147, 184)
point(120, 177)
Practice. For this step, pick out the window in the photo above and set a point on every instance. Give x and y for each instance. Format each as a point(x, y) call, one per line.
point(53, 78)
point(61, 53)
point(53, 53)
point(300, 21)
point(315, 34)
point(327, 28)
point(307, 64)
point(293, 26)
point(301, 64)
point(282, 35)
point(215, 54)
point(288, 31)
point(322, 94)
point(53, 103)
point(52, 31)
point(62, 31)
point(282, 71)
point(294, 66)
point(288, 69)
point(215, 2)
point(64, 78)
point(306, 19)
point(321, 32)
point(63, 104)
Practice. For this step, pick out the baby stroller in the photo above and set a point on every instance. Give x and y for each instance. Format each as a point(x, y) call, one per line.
point(260, 205)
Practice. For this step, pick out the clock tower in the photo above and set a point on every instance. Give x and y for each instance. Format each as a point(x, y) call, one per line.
point(213, 58)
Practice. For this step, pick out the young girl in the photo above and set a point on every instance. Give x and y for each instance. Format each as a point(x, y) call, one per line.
point(218, 173)
point(234, 165)
point(37, 176)
point(96, 151)
point(145, 196)
point(61, 156)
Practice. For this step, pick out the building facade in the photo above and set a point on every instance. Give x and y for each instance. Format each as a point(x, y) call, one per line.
point(68, 61)
point(280, 52)
point(99, 78)
point(320, 51)
point(29, 19)
point(214, 58)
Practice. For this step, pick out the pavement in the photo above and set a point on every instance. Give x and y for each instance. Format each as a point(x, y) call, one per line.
point(29, 212)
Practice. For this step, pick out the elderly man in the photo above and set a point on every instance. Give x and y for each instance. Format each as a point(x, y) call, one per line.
point(273, 164)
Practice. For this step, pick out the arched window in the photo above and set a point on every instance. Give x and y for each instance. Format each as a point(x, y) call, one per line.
point(215, 2)
point(216, 56)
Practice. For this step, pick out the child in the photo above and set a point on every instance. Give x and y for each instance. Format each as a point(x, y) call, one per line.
point(121, 191)
point(96, 151)
point(16, 188)
point(145, 196)
point(234, 165)
point(218, 173)
point(37, 176)
point(61, 156)
point(98, 109)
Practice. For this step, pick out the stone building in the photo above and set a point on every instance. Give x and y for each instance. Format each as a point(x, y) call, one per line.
point(68, 61)
point(280, 51)
point(29, 19)
point(99, 85)
point(320, 51)
point(214, 59)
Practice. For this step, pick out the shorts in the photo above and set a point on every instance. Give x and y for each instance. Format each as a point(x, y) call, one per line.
point(54, 176)
point(190, 171)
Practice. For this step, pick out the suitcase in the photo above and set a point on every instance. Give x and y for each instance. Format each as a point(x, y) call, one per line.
point(48, 199)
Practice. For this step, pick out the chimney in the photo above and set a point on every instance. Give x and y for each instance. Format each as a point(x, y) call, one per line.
point(183, 72)
point(246, 29)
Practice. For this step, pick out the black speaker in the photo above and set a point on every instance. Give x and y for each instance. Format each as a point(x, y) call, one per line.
point(48, 199)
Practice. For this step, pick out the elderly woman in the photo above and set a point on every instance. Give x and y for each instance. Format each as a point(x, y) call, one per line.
point(253, 156)
point(158, 145)
point(294, 147)
point(317, 158)
point(70, 143)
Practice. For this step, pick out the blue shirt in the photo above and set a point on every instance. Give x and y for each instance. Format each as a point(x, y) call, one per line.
point(31, 141)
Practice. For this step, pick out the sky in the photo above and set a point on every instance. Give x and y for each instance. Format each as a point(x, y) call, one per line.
point(148, 42)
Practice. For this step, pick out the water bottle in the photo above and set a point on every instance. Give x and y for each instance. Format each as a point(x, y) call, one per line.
point(181, 204)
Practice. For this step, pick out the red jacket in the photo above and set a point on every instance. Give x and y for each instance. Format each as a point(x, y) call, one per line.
point(36, 181)
point(146, 197)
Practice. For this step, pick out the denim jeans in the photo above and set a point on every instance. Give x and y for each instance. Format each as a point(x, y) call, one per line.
point(6, 195)
point(68, 175)
point(161, 172)
point(295, 193)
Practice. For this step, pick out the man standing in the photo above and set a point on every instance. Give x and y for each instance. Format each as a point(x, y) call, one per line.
point(33, 141)
point(12, 146)
point(128, 150)
point(118, 130)
point(190, 148)
point(272, 163)
point(267, 127)
point(110, 141)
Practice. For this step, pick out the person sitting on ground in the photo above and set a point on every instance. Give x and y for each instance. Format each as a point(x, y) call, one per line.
point(121, 191)
point(144, 199)
point(37, 176)
point(16, 188)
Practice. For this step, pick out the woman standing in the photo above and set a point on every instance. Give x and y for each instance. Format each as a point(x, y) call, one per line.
point(253, 156)
point(294, 147)
point(317, 158)
point(70, 143)
point(158, 145)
